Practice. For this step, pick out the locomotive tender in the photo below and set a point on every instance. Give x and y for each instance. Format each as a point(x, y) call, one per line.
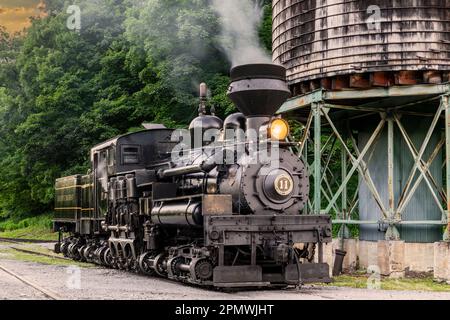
point(222, 210)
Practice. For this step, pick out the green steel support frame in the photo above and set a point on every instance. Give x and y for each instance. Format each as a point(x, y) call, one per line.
point(329, 186)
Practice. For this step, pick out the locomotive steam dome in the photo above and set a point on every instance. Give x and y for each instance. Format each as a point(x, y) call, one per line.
point(319, 39)
point(206, 122)
point(202, 124)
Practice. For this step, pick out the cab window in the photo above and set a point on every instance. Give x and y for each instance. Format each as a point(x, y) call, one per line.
point(131, 154)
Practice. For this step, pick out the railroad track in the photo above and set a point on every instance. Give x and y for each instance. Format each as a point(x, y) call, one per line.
point(40, 254)
point(21, 241)
point(48, 293)
point(30, 251)
point(14, 240)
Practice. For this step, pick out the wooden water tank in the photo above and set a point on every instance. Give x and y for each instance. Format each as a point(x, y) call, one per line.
point(320, 39)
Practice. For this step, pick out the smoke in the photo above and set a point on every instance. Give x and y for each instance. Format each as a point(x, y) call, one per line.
point(239, 40)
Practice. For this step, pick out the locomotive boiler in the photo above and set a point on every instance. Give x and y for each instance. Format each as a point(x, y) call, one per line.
point(218, 205)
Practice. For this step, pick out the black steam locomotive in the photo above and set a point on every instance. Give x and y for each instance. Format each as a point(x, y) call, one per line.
point(219, 205)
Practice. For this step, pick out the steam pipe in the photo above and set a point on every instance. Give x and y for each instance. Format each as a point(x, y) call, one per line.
point(168, 173)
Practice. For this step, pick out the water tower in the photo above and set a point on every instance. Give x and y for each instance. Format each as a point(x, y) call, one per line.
point(370, 83)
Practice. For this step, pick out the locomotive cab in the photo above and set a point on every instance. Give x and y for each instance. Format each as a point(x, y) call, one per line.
point(81, 201)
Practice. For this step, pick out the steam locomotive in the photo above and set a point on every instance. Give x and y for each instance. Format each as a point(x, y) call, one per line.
point(218, 205)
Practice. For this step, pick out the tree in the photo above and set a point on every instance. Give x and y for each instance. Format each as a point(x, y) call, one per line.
point(63, 91)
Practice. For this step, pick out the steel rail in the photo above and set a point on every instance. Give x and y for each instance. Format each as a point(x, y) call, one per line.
point(15, 240)
point(40, 254)
point(48, 293)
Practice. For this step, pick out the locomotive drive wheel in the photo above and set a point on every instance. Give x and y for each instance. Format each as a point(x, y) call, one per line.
point(81, 253)
point(88, 253)
point(204, 270)
point(144, 264)
point(74, 252)
point(64, 249)
point(158, 261)
point(174, 264)
point(108, 258)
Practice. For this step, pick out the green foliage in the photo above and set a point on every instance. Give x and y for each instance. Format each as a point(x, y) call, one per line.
point(41, 222)
point(265, 31)
point(61, 91)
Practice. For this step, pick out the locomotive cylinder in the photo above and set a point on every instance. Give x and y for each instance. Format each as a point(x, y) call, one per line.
point(178, 213)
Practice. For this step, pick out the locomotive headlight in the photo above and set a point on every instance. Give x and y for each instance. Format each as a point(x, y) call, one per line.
point(279, 129)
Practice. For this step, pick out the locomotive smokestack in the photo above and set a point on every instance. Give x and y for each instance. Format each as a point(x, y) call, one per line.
point(258, 91)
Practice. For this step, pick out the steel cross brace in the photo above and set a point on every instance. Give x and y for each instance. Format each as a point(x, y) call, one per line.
point(422, 166)
point(358, 164)
point(446, 105)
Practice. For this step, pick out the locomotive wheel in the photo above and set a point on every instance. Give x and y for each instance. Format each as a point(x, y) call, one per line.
point(144, 264)
point(96, 256)
point(74, 253)
point(204, 270)
point(64, 249)
point(108, 258)
point(100, 256)
point(159, 265)
point(81, 253)
point(174, 263)
point(88, 253)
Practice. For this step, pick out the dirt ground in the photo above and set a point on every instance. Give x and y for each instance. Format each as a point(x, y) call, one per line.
point(71, 282)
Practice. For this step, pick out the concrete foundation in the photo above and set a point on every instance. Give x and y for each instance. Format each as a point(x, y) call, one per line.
point(392, 258)
point(441, 262)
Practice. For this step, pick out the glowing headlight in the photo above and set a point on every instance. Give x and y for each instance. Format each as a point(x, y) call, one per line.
point(279, 129)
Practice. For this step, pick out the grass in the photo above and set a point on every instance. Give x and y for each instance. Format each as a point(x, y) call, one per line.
point(407, 284)
point(35, 228)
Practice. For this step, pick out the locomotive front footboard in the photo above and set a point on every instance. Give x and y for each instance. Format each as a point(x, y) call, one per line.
point(277, 236)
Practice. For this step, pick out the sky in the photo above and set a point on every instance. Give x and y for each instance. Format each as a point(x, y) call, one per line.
point(15, 14)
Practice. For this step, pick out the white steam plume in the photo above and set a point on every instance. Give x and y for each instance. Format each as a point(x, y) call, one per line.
point(239, 40)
